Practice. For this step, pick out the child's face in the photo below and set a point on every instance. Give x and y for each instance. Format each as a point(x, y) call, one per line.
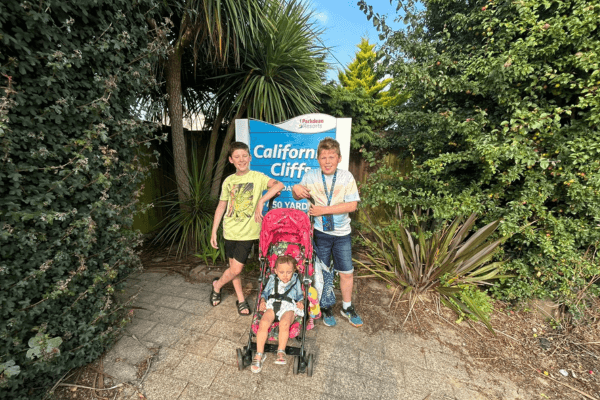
point(284, 272)
point(240, 159)
point(328, 161)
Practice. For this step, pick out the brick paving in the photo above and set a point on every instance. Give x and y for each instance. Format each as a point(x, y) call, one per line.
point(190, 348)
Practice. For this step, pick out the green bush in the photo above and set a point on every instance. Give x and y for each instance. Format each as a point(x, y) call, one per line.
point(70, 74)
point(504, 121)
point(471, 294)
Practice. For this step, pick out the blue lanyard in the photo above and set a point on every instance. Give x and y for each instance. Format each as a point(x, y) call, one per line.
point(330, 194)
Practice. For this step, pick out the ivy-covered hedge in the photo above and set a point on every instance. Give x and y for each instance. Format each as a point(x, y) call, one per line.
point(504, 121)
point(70, 74)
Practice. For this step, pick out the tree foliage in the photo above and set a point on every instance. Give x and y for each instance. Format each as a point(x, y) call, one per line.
point(366, 114)
point(504, 121)
point(69, 180)
point(211, 32)
point(267, 68)
point(366, 96)
point(363, 72)
point(279, 76)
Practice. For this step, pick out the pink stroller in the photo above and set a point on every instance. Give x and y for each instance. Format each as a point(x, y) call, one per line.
point(284, 231)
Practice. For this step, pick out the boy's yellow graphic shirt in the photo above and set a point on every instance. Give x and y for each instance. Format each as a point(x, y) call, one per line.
point(242, 194)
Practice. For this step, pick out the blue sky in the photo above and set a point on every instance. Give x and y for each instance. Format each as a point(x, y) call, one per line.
point(345, 24)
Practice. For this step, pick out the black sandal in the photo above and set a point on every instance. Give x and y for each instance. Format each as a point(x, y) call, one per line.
point(243, 306)
point(214, 296)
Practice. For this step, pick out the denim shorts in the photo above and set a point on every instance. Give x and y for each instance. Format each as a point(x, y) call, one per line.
point(338, 246)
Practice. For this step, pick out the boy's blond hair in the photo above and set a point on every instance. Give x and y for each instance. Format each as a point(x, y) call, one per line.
point(329, 144)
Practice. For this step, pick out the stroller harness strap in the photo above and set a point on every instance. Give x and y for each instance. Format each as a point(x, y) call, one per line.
point(280, 297)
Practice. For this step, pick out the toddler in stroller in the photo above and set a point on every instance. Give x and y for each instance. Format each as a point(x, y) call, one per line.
point(285, 246)
point(280, 301)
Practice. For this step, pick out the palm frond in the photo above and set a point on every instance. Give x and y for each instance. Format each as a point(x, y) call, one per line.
point(280, 73)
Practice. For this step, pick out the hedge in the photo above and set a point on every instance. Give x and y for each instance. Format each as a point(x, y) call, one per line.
point(71, 74)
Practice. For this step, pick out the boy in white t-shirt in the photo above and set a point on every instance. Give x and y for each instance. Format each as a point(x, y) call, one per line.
point(335, 194)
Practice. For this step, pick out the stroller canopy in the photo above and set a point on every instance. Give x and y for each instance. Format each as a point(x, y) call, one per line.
point(287, 231)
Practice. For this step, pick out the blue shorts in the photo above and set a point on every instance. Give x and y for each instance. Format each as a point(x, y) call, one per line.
point(338, 246)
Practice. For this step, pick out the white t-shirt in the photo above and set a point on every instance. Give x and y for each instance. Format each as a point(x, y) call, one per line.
point(344, 191)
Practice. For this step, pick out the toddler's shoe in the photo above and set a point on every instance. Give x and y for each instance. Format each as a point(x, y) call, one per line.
point(280, 357)
point(328, 318)
point(352, 316)
point(256, 366)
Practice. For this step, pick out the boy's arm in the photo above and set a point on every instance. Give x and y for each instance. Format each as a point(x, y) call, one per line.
point(216, 222)
point(300, 192)
point(274, 188)
point(342, 208)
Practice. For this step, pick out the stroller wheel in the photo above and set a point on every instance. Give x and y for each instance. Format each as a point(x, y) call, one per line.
point(309, 367)
point(240, 360)
point(247, 358)
point(296, 365)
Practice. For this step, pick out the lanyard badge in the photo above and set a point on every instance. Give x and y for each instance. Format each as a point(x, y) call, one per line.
point(328, 224)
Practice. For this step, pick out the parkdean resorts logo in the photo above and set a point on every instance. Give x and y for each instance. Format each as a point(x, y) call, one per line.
point(309, 123)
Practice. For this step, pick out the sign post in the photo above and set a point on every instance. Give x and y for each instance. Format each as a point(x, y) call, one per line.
point(285, 151)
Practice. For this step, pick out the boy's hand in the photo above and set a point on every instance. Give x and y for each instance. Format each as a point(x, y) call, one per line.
point(300, 191)
point(213, 241)
point(263, 305)
point(300, 305)
point(258, 212)
point(316, 211)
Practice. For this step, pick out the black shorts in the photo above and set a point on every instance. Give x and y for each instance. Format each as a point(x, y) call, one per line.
point(238, 249)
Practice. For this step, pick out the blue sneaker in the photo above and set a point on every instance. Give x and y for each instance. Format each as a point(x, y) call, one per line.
point(328, 318)
point(352, 316)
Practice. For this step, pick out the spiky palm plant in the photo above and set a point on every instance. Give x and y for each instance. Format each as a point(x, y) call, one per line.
point(280, 74)
point(212, 32)
point(188, 222)
point(437, 258)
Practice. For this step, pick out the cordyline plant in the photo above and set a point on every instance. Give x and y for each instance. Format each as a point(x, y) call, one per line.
point(438, 259)
point(188, 222)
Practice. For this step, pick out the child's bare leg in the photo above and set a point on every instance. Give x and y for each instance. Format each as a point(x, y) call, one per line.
point(284, 328)
point(346, 283)
point(232, 274)
point(263, 330)
point(261, 338)
point(237, 285)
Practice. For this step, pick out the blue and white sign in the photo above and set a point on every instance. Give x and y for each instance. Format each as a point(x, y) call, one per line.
point(287, 150)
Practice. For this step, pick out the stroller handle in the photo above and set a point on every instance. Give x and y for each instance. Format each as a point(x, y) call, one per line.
point(311, 201)
point(271, 201)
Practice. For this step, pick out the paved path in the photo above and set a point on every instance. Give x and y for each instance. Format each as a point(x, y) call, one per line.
point(190, 348)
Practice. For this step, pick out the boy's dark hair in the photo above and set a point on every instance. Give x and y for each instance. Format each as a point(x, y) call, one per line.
point(237, 146)
point(329, 144)
point(286, 260)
